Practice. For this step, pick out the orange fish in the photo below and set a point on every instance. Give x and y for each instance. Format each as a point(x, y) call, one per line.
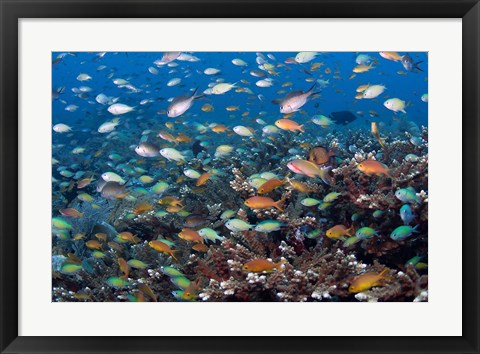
point(264, 203)
point(219, 128)
point(372, 167)
point(320, 155)
point(289, 125)
point(98, 153)
point(339, 231)
point(263, 265)
point(71, 212)
point(162, 247)
point(299, 186)
point(94, 245)
point(169, 200)
point(129, 237)
point(174, 208)
point(203, 179)
point(270, 185)
point(391, 56)
point(376, 134)
point(72, 259)
point(367, 281)
point(188, 234)
point(78, 237)
point(115, 246)
point(84, 182)
point(182, 138)
point(122, 263)
point(200, 247)
point(142, 208)
point(144, 288)
point(166, 136)
point(101, 236)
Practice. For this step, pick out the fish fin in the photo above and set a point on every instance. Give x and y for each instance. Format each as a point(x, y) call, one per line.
point(116, 120)
point(279, 205)
point(301, 128)
point(414, 229)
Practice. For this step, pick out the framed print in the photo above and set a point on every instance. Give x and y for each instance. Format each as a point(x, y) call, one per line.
point(239, 177)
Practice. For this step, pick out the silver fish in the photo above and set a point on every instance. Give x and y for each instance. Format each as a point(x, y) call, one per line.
point(409, 64)
point(295, 100)
point(181, 104)
point(111, 190)
point(147, 150)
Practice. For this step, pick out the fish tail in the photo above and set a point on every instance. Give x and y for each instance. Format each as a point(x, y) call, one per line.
point(301, 128)
point(280, 264)
point(172, 254)
point(279, 205)
point(197, 97)
point(351, 231)
point(416, 65)
point(116, 120)
point(324, 176)
point(311, 88)
point(382, 273)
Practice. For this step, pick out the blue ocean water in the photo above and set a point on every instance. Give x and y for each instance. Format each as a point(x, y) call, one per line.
point(87, 86)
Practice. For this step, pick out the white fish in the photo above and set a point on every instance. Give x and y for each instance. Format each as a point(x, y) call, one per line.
point(373, 91)
point(120, 108)
point(264, 83)
point(305, 57)
point(172, 154)
point(191, 174)
point(211, 71)
point(188, 57)
point(61, 128)
point(395, 104)
point(107, 127)
point(71, 108)
point(120, 82)
point(152, 70)
point(83, 77)
point(167, 58)
point(112, 177)
point(270, 129)
point(239, 62)
point(174, 82)
point(222, 88)
point(181, 104)
point(223, 150)
point(104, 99)
point(242, 131)
point(237, 225)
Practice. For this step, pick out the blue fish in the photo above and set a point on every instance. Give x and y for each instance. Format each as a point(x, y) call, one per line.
point(406, 214)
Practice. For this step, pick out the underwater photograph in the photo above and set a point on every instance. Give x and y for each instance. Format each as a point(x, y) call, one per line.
point(239, 176)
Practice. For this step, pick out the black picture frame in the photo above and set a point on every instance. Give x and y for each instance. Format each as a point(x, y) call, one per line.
point(13, 10)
